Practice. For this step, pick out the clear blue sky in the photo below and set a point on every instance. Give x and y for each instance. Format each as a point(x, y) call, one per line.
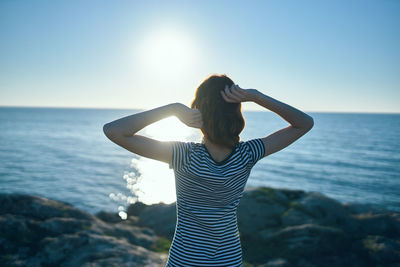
point(339, 56)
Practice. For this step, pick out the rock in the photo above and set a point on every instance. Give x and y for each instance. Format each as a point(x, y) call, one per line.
point(38, 207)
point(299, 233)
point(317, 208)
point(358, 208)
point(278, 227)
point(109, 217)
point(259, 210)
point(136, 209)
point(382, 249)
point(299, 228)
point(387, 224)
point(311, 229)
point(159, 217)
point(307, 240)
point(36, 231)
point(327, 210)
point(295, 216)
point(95, 249)
point(279, 262)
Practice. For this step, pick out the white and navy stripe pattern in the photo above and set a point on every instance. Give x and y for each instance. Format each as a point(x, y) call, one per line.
point(208, 194)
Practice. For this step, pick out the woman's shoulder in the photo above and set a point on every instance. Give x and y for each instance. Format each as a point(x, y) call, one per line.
point(187, 145)
point(252, 142)
point(255, 148)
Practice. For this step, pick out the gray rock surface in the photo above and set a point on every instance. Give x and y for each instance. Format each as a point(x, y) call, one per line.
point(281, 227)
point(36, 231)
point(278, 227)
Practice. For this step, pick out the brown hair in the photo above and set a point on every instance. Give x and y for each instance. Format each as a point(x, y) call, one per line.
point(222, 121)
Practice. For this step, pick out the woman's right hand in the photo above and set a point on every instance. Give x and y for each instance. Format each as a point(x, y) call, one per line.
point(235, 94)
point(190, 117)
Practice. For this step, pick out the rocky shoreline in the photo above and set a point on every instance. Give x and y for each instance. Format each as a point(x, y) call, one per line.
point(278, 227)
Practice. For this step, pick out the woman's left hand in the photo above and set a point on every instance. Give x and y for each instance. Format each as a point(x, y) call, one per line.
point(190, 117)
point(235, 94)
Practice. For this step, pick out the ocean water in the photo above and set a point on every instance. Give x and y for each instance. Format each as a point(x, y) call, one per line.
point(62, 154)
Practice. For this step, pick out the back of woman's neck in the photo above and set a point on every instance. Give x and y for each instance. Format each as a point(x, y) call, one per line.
point(213, 146)
point(217, 152)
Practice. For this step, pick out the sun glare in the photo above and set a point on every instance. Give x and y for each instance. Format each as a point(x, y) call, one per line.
point(154, 181)
point(171, 129)
point(167, 53)
point(162, 55)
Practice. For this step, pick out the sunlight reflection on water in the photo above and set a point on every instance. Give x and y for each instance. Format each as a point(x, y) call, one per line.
point(155, 182)
point(151, 181)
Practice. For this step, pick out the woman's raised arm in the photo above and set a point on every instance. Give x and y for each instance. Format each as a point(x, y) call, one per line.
point(300, 122)
point(123, 131)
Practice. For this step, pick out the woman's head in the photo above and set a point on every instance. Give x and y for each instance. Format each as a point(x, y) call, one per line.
point(222, 121)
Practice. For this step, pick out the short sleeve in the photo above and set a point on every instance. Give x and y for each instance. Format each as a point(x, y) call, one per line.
point(180, 154)
point(256, 150)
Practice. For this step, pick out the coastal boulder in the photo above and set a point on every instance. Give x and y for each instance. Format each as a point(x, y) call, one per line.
point(278, 227)
point(281, 227)
point(259, 209)
point(159, 217)
point(36, 231)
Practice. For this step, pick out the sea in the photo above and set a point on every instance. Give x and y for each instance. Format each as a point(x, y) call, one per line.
point(63, 154)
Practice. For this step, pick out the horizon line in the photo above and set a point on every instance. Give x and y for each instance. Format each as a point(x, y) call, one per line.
point(143, 109)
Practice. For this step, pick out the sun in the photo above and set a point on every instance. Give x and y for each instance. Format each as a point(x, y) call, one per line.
point(167, 52)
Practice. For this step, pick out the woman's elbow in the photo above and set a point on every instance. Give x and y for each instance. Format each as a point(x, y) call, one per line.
point(309, 124)
point(108, 131)
point(305, 124)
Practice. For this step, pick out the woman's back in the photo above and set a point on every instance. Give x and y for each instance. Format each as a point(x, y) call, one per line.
point(208, 194)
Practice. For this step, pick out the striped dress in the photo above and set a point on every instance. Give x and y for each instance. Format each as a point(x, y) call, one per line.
point(208, 194)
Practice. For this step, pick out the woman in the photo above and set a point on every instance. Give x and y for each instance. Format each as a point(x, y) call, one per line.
point(210, 177)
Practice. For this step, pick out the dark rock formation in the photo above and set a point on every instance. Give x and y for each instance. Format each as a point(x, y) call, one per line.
point(278, 227)
point(35, 231)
